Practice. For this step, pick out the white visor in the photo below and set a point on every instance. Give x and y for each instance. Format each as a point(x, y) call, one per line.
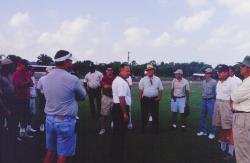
point(64, 58)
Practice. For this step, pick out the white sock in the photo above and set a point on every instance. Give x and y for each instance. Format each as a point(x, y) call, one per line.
point(223, 146)
point(231, 149)
point(28, 127)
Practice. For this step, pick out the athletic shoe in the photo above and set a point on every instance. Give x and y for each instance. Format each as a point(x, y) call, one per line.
point(29, 134)
point(211, 136)
point(173, 126)
point(183, 127)
point(130, 126)
point(22, 132)
point(32, 130)
point(102, 131)
point(201, 133)
point(150, 119)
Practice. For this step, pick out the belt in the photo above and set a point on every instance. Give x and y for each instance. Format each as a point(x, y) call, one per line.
point(179, 96)
point(235, 111)
point(210, 98)
point(61, 117)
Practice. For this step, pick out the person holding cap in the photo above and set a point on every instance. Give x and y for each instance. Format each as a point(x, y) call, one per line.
point(150, 93)
point(223, 115)
point(241, 116)
point(207, 104)
point(92, 82)
point(180, 90)
point(61, 91)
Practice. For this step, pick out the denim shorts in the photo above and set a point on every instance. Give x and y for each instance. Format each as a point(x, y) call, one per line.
point(178, 105)
point(60, 135)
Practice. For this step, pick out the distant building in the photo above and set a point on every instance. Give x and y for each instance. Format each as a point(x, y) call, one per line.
point(198, 76)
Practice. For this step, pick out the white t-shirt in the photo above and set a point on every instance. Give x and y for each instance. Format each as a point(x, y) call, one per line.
point(129, 80)
point(120, 88)
point(225, 88)
point(33, 88)
point(93, 80)
point(40, 83)
point(236, 81)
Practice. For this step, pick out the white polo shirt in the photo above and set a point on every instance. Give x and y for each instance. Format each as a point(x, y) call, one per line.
point(150, 86)
point(120, 88)
point(236, 81)
point(225, 88)
point(93, 80)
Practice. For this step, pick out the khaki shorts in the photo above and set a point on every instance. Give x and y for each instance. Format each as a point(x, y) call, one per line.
point(241, 134)
point(223, 115)
point(106, 105)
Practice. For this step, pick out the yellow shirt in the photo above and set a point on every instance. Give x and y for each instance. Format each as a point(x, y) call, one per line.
point(241, 96)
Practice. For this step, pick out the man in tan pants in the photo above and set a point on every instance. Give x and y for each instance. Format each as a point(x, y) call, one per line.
point(241, 116)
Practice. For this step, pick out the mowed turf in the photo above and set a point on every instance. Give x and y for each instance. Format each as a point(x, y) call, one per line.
point(167, 147)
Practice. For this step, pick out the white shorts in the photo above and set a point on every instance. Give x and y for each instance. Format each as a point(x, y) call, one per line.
point(178, 105)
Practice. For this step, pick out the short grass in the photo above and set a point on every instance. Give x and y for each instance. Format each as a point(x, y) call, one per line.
point(168, 147)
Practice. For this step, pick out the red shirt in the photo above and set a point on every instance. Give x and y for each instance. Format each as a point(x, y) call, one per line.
point(22, 82)
point(107, 81)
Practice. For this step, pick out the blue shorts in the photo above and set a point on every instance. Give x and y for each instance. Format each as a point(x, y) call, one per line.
point(178, 105)
point(60, 135)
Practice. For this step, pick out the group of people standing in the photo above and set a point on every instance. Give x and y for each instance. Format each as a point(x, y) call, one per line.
point(226, 102)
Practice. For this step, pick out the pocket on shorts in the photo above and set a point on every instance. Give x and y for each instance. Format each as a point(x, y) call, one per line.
point(66, 129)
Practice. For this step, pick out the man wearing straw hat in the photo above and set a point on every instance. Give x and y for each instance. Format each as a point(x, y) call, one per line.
point(150, 93)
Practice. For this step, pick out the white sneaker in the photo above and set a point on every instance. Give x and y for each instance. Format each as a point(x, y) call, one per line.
point(130, 126)
point(102, 131)
point(183, 126)
point(150, 119)
point(32, 130)
point(42, 128)
point(174, 125)
point(211, 136)
point(201, 133)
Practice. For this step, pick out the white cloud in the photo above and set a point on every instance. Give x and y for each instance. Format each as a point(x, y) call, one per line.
point(194, 22)
point(228, 37)
point(67, 34)
point(237, 7)
point(20, 20)
point(197, 3)
point(165, 40)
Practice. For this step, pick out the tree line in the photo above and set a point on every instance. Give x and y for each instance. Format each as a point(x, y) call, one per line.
point(162, 69)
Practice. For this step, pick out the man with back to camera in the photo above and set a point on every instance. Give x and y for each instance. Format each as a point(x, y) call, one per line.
point(180, 91)
point(150, 93)
point(241, 116)
point(207, 104)
point(61, 91)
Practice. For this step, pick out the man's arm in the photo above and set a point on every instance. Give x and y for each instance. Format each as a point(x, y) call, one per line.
point(159, 96)
point(123, 108)
point(80, 91)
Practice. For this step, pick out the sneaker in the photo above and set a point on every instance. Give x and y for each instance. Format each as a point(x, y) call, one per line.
point(32, 130)
point(183, 128)
point(201, 133)
point(211, 136)
point(150, 119)
point(102, 131)
point(174, 126)
point(42, 128)
point(19, 139)
point(130, 126)
point(29, 134)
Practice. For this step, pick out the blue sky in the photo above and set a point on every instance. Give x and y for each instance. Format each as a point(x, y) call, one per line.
point(210, 31)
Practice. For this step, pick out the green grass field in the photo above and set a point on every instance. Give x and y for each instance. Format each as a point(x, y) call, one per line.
point(167, 147)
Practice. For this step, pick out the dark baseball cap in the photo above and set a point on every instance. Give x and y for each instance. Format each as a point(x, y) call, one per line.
point(222, 68)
